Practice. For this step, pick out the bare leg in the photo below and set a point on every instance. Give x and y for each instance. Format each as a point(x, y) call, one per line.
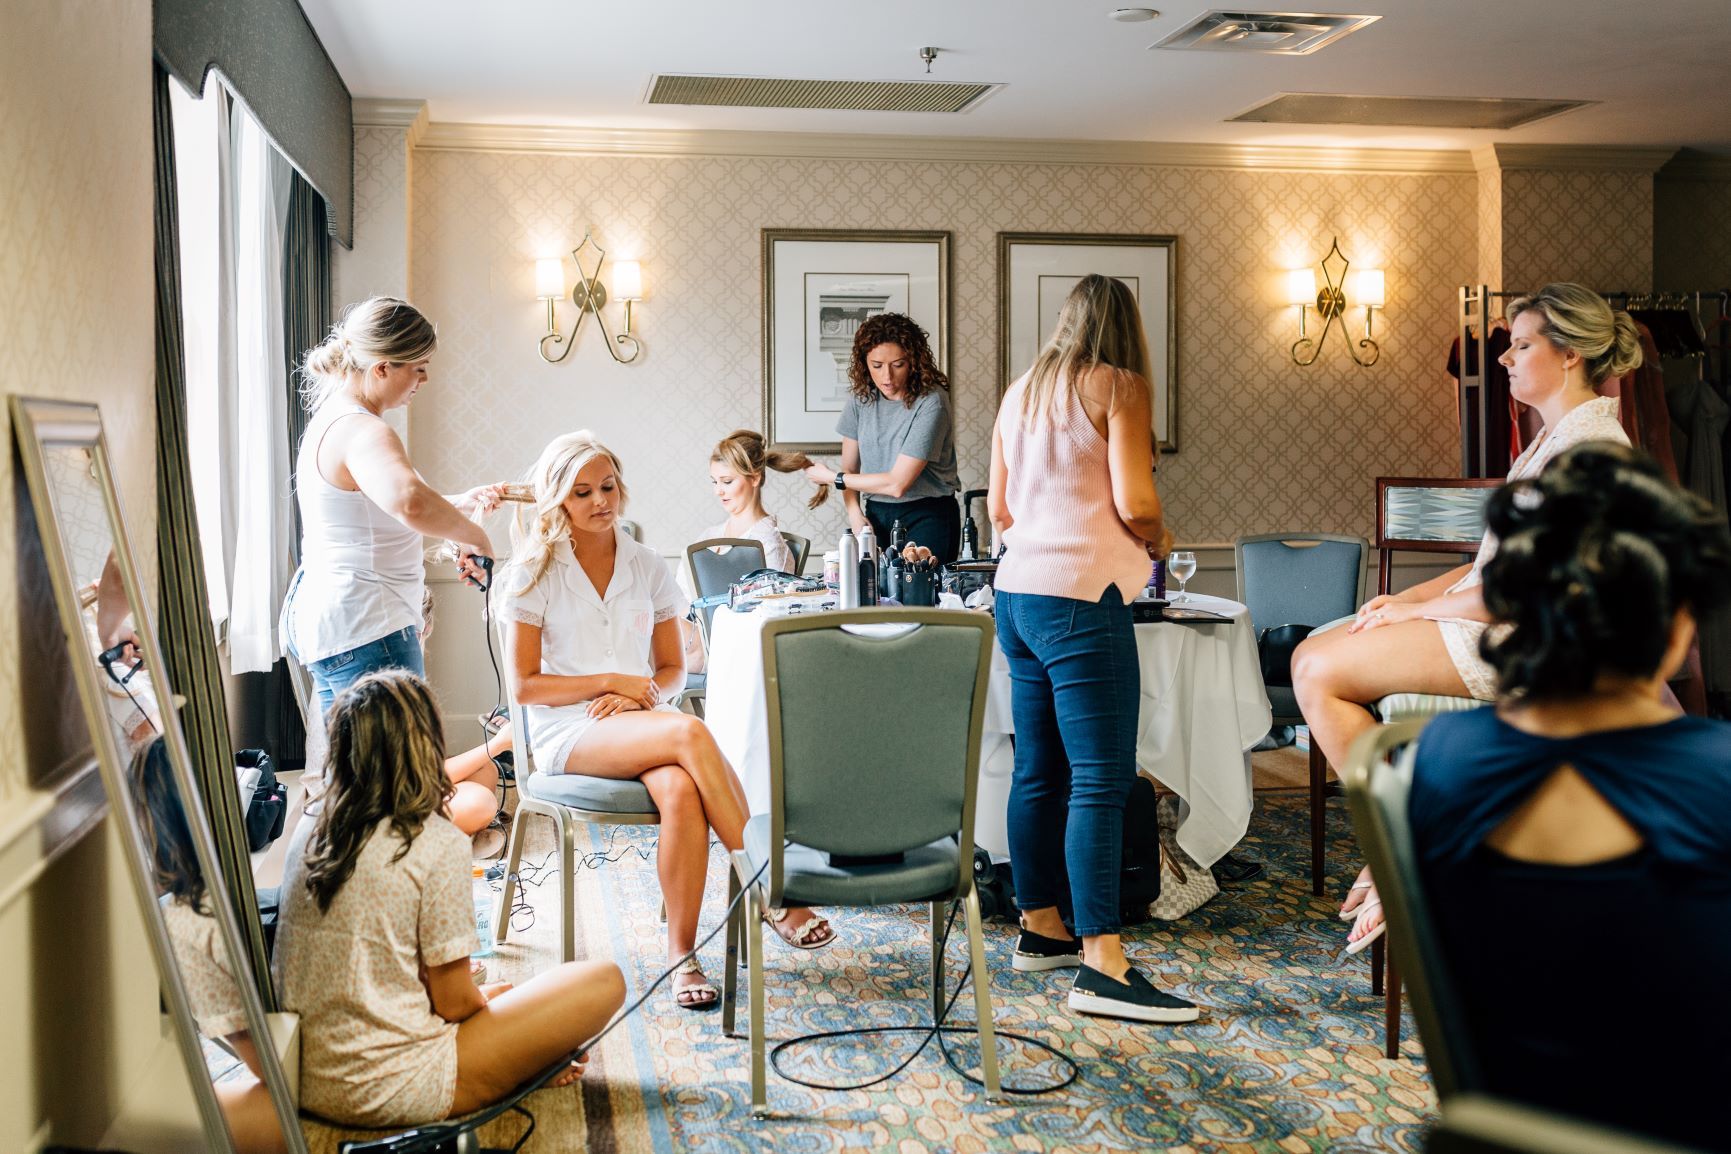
point(473, 763)
point(681, 863)
point(251, 1116)
point(1337, 675)
point(521, 1031)
point(476, 801)
point(627, 745)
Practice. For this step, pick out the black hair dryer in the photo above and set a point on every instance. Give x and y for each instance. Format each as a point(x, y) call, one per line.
point(970, 527)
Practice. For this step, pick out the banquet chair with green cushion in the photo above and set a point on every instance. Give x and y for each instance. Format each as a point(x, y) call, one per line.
point(823, 843)
point(1378, 779)
point(713, 573)
point(567, 799)
point(801, 549)
point(1301, 579)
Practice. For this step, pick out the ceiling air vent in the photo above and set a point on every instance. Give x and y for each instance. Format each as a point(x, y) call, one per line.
point(1282, 33)
point(1404, 111)
point(861, 95)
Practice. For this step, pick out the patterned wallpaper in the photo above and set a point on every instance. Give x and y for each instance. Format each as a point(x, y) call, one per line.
point(76, 267)
point(379, 262)
point(1591, 227)
point(1265, 445)
point(1490, 228)
point(1691, 234)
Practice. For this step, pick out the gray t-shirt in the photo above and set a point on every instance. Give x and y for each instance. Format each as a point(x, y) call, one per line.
point(888, 429)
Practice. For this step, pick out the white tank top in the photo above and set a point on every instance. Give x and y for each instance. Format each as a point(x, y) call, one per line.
point(362, 573)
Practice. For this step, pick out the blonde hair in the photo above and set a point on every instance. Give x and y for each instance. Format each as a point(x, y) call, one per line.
point(386, 761)
point(1576, 319)
point(746, 453)
point(378, 329)
point(552, 477)
point(1098, 325)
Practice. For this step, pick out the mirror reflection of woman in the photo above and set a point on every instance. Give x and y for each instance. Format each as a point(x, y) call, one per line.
point(355, 604)
point(200, 953)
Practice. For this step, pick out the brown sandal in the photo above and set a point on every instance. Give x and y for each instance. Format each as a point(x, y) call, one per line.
point(815, 934)
point(695, 995)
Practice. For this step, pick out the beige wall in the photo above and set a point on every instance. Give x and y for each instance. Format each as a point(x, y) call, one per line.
point(1594, 227)
point(1264, 444)
point(76, 320)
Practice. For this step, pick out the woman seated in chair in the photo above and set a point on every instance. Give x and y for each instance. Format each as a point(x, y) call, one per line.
point(1583, 826)
point(377, 925)
point(1565, 342)
point(736, 472)
point(595, 655)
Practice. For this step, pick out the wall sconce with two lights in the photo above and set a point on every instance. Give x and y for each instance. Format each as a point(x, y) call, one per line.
point(1369, 292)
point(589, 296)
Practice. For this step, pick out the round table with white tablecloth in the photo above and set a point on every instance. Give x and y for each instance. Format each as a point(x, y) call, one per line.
point(1203, 707)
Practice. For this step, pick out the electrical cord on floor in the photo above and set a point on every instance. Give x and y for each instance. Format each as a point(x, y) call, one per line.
point(936, 1030)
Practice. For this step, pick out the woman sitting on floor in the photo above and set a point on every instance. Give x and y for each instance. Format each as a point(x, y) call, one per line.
point(1565, 342)
point(595, 654)
point(377, 925)
point(1598, 817)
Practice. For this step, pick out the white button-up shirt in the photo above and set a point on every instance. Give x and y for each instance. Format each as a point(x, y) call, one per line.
point(584, 632)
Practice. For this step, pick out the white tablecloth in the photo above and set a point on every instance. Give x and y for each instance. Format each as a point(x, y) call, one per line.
point(1203, 707)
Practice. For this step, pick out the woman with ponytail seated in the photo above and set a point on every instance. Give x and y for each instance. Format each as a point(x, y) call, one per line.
point(1582, 827)
point(736, 470)
point(1565, 342)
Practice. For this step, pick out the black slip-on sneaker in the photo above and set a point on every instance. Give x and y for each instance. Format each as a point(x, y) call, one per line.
point(1036, 953)
point(1097, 993)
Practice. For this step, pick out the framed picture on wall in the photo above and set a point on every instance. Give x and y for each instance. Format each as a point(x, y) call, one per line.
point(819, 286)
point(1037, 270)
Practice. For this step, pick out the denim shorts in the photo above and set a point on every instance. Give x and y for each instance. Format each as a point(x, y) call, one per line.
point(333, 674)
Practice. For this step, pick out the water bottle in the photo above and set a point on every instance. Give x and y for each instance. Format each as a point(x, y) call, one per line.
point(847, 594)
point(484, 899)
point(868, 566)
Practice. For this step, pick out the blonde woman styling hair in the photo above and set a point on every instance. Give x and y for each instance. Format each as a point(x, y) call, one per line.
point(595, 655)
point(355, 604)
point(1564, 342)
point(377, 928)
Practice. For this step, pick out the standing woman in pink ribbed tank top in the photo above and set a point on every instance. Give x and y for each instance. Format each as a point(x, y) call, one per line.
point(1074, 502)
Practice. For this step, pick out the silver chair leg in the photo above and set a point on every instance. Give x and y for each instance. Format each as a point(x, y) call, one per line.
point(567, 890)
point(983, 999)
point(937, 962)
point(730, 967)
point(753, 929)
point(663, 911)
point(514, 860)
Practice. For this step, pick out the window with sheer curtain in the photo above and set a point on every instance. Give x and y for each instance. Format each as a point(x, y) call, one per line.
point(233, 190)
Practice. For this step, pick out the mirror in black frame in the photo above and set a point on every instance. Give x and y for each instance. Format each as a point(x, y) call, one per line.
point(232, 1050)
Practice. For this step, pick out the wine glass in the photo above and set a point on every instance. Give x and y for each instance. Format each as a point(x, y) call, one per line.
point(1182, 567)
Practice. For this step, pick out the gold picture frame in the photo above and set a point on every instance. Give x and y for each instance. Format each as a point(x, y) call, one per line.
point(1035, 272)
point(818, 284)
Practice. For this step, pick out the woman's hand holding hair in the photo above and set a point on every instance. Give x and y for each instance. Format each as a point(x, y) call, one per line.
point(819, 474)
point(479, 501)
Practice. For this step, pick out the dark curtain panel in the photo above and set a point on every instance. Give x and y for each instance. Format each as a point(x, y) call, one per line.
point(188, 639)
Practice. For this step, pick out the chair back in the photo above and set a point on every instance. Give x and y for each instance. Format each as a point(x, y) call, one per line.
point(801, 549)
point(713, 572)
point(1300, 578)
point(1429, 515)
point(632, 528)
point(874, 730)
point(1377, 790)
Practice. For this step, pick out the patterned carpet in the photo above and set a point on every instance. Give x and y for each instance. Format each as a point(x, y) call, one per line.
point(1287, 1055)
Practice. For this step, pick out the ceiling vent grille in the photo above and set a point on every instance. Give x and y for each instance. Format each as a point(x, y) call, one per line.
point(1282, 33)
point(859, 95)
point(1404, 111)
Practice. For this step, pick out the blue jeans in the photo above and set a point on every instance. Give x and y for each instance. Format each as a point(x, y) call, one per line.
point(1075, 687)
point(399, 650)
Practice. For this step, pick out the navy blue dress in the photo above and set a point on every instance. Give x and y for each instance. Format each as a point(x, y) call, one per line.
point(1601, 991)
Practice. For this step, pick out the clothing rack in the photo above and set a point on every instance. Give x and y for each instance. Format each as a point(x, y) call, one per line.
point(1480, 306)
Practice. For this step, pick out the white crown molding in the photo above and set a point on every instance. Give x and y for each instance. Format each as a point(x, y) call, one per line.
point(462, 137)
point(371, 112)
point(1690, 164)
point(1569, 157)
